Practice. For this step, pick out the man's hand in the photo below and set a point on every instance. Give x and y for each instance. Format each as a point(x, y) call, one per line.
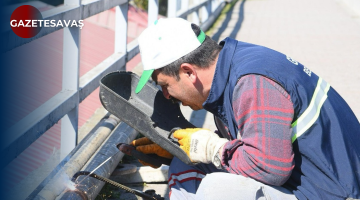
point(201, 145)
point(146, 146)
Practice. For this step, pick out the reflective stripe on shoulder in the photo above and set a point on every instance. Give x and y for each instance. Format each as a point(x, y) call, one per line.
point(308, 118)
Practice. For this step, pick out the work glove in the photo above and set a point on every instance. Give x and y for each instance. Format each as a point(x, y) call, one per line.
point(146, 146)
point(201, 145)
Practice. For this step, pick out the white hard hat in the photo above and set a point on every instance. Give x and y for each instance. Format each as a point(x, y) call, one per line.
point(163, 43)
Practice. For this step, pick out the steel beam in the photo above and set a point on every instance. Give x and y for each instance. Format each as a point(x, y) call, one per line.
point(53, 186)
point(90, 186)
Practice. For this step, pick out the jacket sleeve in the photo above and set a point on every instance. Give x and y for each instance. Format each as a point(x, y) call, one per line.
point(263, 149)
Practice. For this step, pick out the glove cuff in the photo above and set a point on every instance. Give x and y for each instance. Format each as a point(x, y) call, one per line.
point(204, 146)
point(221, 142)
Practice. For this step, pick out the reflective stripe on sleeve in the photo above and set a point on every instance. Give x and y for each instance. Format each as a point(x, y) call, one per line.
point(308, 118)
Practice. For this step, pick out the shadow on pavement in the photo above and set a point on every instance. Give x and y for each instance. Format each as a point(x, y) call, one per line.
point(225, 24)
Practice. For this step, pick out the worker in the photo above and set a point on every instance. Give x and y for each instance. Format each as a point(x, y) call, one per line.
point(284, 132)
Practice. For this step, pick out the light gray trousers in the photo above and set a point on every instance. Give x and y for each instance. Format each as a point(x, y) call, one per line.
point(220, 185)
point(205, 182)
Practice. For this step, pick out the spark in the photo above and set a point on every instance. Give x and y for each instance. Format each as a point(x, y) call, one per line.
point(71, 185)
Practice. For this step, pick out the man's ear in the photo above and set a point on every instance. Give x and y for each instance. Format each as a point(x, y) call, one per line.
point(189, 71)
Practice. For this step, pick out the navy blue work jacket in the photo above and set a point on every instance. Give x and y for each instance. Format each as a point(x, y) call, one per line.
point(326, 133)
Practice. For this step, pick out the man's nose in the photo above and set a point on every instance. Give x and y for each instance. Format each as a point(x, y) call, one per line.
point(166, 93)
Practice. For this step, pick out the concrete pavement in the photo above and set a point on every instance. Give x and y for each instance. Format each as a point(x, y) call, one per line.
point(324, 35)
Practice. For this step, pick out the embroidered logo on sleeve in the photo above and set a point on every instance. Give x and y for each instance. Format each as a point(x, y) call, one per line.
point(307, 71)
point(292, 60)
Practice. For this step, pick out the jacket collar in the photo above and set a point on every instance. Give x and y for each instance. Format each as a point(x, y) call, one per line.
point(214, 101)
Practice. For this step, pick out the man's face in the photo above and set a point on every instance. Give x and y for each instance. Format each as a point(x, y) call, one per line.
point(182, 90)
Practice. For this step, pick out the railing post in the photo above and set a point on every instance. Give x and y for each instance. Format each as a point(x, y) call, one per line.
point(206, 11)
point(70, 81)
point(214, 5)
point(178, 5)
point(195, 15)
point(185, 6)
point(121, 22)
point(172, 8)
point(153, 11)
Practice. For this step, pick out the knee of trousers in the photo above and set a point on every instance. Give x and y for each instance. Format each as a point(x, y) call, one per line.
point(180, 173)
point(184, 179)
point(216, 185)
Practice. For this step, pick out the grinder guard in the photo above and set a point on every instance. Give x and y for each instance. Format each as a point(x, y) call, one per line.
point(148, 112)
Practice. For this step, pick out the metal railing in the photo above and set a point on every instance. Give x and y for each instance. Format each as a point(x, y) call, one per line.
point(64, 106)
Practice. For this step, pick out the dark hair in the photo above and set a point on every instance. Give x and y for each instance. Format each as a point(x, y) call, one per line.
point(203, 56)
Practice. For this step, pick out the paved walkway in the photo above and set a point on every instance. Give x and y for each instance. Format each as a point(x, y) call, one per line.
point(324, 35)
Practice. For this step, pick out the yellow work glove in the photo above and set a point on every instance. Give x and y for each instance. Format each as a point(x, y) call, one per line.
point(146, 146)
point(201, 145)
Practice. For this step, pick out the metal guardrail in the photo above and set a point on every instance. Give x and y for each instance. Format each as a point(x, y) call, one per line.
point(64, 105)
